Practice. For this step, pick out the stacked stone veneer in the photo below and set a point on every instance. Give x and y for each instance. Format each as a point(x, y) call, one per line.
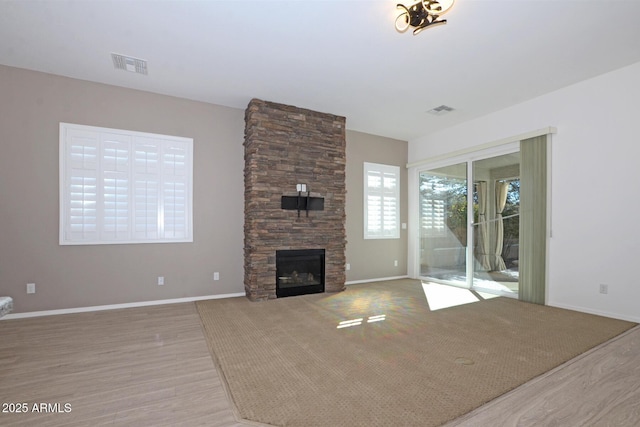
point(285, 146)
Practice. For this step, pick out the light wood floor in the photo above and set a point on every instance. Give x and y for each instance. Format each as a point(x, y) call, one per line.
point(146, 366)
point(150, 366)
point(598, 388)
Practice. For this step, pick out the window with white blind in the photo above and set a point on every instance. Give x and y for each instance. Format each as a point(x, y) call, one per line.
point(381, 201)
point(432, 210)
point(120, 186)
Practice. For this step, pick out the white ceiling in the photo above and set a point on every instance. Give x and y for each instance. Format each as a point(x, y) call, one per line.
point(340, 57)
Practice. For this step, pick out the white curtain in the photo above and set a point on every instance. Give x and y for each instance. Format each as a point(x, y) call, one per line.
point(482, 249)
point(501, 201)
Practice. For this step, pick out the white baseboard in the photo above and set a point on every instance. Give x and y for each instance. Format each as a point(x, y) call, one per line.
point(596, 312)
point(380, 279)
point(116, 306)
point(157, 302)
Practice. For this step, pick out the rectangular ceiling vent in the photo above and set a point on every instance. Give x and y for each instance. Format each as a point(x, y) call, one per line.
point(441, 110)
point(127, 63)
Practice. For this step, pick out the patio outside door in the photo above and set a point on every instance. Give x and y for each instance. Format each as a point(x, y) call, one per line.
point(477, 249)
point(443, 224)
point(496, 221)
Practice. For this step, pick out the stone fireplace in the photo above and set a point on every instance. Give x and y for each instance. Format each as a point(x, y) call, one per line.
point(286, 146)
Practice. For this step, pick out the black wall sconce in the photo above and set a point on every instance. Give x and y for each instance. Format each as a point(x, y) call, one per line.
point(303, 201)
point(422, 14)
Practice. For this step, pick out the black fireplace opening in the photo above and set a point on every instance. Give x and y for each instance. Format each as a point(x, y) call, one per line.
point(299, 272)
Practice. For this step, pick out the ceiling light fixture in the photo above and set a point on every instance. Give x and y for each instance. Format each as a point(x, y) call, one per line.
point(422, 14)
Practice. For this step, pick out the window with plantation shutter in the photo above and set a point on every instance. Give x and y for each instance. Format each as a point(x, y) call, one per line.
point(381, 201)
point(432, 209)
point(124, 187)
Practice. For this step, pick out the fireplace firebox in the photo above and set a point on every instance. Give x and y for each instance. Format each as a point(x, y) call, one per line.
point(299, 272)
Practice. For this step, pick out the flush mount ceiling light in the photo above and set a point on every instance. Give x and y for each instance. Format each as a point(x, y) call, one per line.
point(422, 14)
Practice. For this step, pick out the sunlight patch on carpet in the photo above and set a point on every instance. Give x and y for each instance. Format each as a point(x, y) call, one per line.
point(286, 362)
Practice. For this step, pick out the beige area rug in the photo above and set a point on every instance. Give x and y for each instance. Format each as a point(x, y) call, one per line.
point(287, 363)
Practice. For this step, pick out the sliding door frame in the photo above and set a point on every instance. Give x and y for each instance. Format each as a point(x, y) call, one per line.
point(414, 220)
point(469, 155)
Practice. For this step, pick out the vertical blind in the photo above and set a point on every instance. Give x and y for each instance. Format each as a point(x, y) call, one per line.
point(124, 187)
point(533, 219)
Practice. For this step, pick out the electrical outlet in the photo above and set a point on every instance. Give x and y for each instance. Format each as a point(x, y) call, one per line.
point(216, 276)
point(31, 288)
point(395, 263)
point(348, 267)
point(160, 280)
point(604, 289)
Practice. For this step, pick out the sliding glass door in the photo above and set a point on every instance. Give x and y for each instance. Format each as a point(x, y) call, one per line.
point(443, 224)
point(476, 249)
point(495, 231)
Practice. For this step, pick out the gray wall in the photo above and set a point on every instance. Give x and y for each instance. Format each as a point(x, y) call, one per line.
point(373, 259)
point(31, 107)
point(33, 104)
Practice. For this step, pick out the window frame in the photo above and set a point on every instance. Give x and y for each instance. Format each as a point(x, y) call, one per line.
point(124, 218)
point(383, 233)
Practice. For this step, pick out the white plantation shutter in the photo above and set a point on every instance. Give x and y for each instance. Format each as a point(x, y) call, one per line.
point(146, 184)
point(174, 189)
point(124, 187)
point(374, 203)
point(81, 188)
point(432, 209)
point(382, 201)
point(116, 200)
point(433, 217)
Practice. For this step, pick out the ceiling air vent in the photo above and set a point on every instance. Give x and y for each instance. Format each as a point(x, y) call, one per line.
point(441, 110)
point(130, 64)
